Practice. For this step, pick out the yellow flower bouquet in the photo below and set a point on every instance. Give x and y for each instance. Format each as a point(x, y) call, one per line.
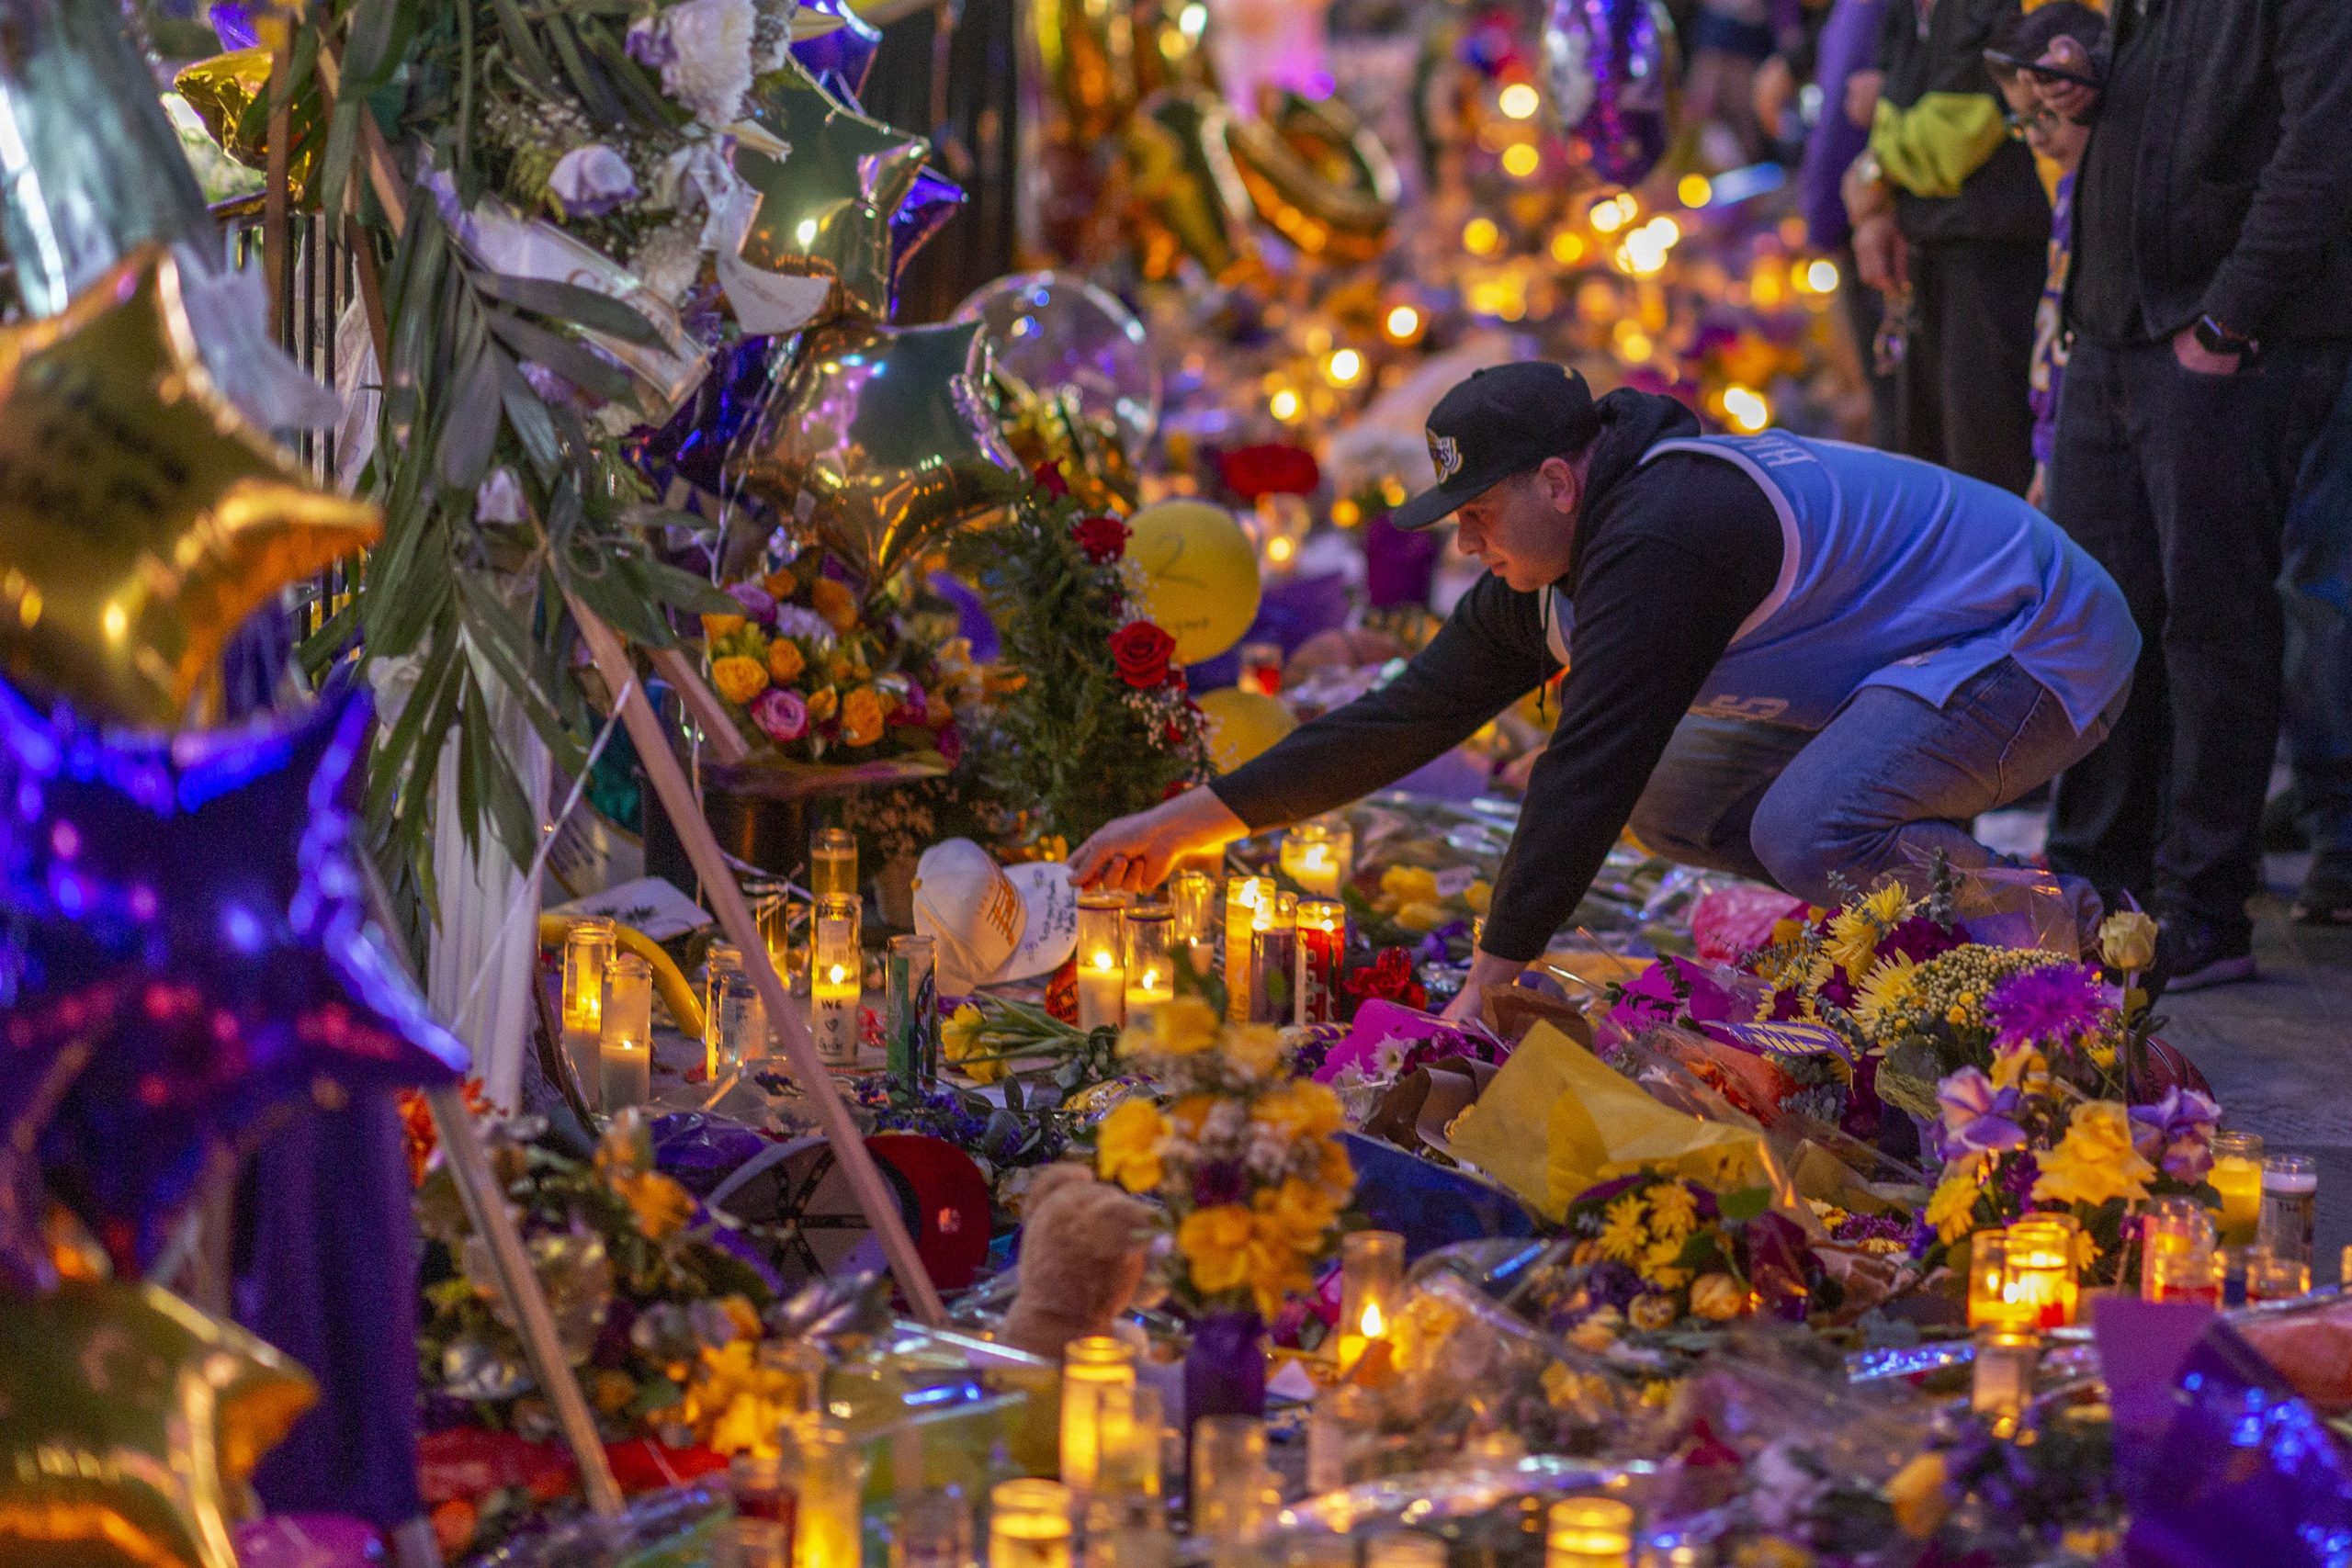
point(1245, 1160)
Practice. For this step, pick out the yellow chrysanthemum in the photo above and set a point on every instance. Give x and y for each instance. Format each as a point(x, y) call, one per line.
point(1660, 1264)
point(1622, 1235)
point(1890, 905)
point(1300, 1108)
point(1254, 1049)
point(738, 679)
point(1886, 990)
point(1181, 1028)
point(1852, 944)
point(1126, 1146)
point(2095, 1161)
point(1953, 1207)
point(1215, 1244)
point(1674, 1210)
point(785, 661)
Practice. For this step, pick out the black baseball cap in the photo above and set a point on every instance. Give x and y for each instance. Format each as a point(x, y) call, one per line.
point(1503, 421)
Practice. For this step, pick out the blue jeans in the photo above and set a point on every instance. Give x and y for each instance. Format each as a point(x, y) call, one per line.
point(1890, 781)
point(2317, 711)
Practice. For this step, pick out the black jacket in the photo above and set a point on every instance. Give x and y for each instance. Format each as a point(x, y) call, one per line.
point(1939, 102)
point(2242, 193)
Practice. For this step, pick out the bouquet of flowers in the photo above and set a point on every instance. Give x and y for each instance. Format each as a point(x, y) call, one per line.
point(814, 677)
point(1245, 1159)
point(1652, 1251)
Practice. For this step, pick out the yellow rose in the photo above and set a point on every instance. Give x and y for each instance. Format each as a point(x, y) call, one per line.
point(1301, 1108)
point(1126, 1146)
point(1254, 1049)
point(835, 602)
point(717, 626)
point(2128, 939)
point(1718, 1297)
point(785, 661)
point(1419, 916)
point(780, 583)
point(2095, 1161)
point(1301, 1213)
point(738, 679)
point(1181, 1028)
point(1408, 885)
point(1918, 1496)
point(1215, 1246)
point(822, 701)
point(862, 716)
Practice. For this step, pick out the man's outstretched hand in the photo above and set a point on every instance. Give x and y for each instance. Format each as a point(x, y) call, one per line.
point(1134, 853)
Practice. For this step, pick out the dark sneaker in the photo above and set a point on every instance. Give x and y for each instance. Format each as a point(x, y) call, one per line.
point(2192, 956)
point(2326, 896)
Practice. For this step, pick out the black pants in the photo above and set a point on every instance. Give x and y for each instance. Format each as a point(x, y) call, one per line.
point(1961, 392)
point(1865, 308)
point(2177, 484)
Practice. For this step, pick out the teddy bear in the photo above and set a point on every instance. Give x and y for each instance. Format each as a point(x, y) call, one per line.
point(1083, 1249)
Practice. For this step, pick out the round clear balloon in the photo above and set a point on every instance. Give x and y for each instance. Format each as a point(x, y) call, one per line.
point(1054, 329)
point(1610, 64)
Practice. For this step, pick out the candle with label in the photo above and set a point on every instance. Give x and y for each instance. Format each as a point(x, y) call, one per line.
point(1274, 939)
point(625, 1045)
point(2290, 1207)
point(739, 1024)
point(1150, 962)
point(1243, 895)
point(1091, 1363)
point(720, 962)
point(833, 864)
point(1102, 960)
point(912, 1028)
point(836, 981)
point(1322, 938)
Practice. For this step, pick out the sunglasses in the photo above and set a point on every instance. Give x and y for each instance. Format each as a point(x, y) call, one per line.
point(2032, 120)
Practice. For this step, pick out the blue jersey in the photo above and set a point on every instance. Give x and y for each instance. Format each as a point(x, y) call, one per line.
point(1894, 572)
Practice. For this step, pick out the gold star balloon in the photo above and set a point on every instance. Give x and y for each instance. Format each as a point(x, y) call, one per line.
point(229, 94)
point(142, 518)
point(1187, 198)
point(129, 1425)
point(828, 179)
point(882, 440)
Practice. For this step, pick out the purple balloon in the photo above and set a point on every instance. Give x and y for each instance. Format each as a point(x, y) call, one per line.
point(696, 444)
point(840, 59)
point(1607, 63)
point(308, 1540)
point(194, 907)
point(925, 211)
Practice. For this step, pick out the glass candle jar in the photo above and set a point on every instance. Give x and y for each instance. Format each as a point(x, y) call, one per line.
point(1228, 1480)
point(933, 1529)
point(1091, 1364)
point(739, 1024)
point(2290, 1207)
point(1029, 1525)
point(2237, 1177)
point(625, 1045)
point(833, 864)
point(720, 962)
point(1342, 1436)
point(588, 947)
point(2001, 1376)
point(1150, 963)
point(1274, 939)
point(1404, 1549)
point(836, 981)
point(1102, 960)
point(2040, 1288)
point(1243, 896)
point(1317, 856)
point(1192, 904)
point(1588, 1532)
point(2173, 1232)
point(828, 1528)
point(2276, 1277)
point(1133, 1427)
point(910, 1026)
point(1372, 1279)
point(1322, 938)
point(1988, 1277)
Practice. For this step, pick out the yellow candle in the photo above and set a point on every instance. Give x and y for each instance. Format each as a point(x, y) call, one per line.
point(827, 1531)
point(2040, 1289)
point(625, 1047)
point(1148, 992)
point(836, 981)
point(1029, 1525)
point(1372, 1275)
point(1102, 971)
point(1243, 895)
point(1589, 1532)
point(1091, 1364)
point(2237, 1177)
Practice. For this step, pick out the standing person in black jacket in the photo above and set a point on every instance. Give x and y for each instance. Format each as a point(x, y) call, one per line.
point(1952, 224)
point(2210, 299)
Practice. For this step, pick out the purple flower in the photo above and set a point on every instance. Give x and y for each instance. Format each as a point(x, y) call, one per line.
point(782, 717)
point(1978, 1118)
point(2058, 1003)
point(758, 603)
point(648, 43)
point(592, 179)
point(2176, 1133)
point(1920, 939)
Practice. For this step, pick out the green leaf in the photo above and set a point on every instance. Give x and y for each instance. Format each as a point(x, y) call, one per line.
point(493, 631)
point(529, 58)
point(529, 415)
point(683, 589)
point(1745, 1204)
point(569, 302)
point(619, 598)
point(595, 93)
point(566, 358)
point(469, 431)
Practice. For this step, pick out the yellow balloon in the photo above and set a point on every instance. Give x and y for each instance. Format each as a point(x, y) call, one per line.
point(1196, 575)
point(1242, 724)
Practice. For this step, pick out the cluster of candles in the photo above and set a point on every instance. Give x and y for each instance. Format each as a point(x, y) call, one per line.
point(607, 1016)
point(1276, 941)
point(1126, 960)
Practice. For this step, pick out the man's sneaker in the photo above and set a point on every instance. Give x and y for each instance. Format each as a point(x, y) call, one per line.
point(2327, 895)
point(2192, 956)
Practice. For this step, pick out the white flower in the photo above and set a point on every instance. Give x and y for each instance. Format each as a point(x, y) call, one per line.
point(711, 67)
point(669, 262)
point(592, 179)
point(500, 497)
point(799, 621)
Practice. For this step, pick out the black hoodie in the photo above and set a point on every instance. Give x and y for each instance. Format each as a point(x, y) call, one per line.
point(1670, 557)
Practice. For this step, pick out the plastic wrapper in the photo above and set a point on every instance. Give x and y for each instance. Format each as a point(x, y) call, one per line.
point(2012, 906)
point(685, 1527)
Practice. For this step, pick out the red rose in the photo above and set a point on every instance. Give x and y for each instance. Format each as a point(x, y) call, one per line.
point(1104, 539)
point(1141, 650)
point(1049, 479)
point(1389, 977)
point(1175, 788)
point(1273, 468)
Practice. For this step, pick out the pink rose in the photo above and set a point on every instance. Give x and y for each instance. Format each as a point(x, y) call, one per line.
point(782, 717)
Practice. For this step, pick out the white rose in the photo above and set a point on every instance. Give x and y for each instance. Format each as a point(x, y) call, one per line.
point(712, 68)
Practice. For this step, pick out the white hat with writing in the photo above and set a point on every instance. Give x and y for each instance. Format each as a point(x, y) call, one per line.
point(993, 924)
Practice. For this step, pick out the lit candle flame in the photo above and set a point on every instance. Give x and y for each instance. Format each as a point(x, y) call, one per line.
point(838, 973)
point(1375, 1323)
point(1102, 961)
point(1150, 980)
